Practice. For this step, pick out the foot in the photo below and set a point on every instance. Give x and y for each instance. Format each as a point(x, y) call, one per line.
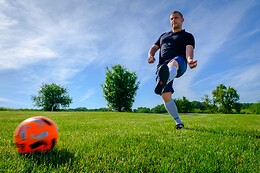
point(163, 76)
point(179, 126)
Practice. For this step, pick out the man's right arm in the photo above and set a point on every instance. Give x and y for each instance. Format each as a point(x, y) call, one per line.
point(189, 56)
point(152, 52)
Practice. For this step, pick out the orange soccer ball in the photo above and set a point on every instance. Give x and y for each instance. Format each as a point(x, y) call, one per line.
point(36, 134)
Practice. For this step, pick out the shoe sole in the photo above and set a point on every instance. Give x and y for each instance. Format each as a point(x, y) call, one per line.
point(179, 126)
point(163, 76)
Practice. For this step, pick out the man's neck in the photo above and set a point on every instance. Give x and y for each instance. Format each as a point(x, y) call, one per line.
point(176, 30)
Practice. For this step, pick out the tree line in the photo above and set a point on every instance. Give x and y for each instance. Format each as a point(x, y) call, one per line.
point(120, 89)
point(186, 106)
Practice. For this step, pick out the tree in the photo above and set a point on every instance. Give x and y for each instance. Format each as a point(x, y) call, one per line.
point(159, 109)
point(208, 104)
point(197, 106)
point(51, 97)
point(225, 98)
point(183, 105)
point(120, 88)
point(255, 108)
point(142, 110)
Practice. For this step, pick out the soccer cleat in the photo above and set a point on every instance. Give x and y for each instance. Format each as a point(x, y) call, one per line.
point(179, 126)
point(163, 76)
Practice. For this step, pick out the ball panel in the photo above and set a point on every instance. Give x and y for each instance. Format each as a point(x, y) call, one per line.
point(46, 121)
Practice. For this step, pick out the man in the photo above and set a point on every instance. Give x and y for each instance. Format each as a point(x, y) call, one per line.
point(176, 51)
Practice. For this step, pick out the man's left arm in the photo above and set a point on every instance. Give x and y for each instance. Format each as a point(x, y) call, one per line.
point(189, 56)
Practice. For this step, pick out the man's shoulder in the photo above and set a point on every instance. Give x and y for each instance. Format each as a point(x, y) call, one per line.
point(187, 33)
point(166, 33)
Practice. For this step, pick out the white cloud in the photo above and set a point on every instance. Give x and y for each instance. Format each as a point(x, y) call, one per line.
point(4, 99)
point(17, 57)
point(6, 22)
point(7, 101)
point(87, 95)
point(61, 48)
point(246, 81)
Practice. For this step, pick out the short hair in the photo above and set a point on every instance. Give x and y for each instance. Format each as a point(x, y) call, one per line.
point(174, 12)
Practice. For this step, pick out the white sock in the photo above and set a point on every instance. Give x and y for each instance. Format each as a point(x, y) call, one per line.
point(173, 111)
point(173, 72)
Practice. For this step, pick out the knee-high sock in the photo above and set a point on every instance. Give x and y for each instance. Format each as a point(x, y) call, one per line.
point(173, 72)
point(173, 111)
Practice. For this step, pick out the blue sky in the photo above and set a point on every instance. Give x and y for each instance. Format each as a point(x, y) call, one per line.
point(71, 42)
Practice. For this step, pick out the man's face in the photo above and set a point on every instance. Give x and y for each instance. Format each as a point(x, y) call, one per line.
point(176, 21)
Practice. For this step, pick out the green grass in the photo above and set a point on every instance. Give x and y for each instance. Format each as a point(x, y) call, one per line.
point(128, 142)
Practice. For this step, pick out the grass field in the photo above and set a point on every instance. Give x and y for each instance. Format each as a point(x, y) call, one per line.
point(129, 142)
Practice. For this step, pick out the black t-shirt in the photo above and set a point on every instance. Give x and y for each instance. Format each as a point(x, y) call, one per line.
point(174, 44)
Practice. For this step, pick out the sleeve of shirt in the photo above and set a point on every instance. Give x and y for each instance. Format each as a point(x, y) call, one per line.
point(190, 41)
point(158, 41)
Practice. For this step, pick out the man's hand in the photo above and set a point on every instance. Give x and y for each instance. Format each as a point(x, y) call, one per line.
point(151, 59)
point(192, 63)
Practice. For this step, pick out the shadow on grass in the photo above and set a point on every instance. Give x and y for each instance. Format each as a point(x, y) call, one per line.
point(228, 132)
point(53, 158)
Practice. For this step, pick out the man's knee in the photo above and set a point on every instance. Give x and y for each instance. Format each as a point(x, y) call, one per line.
point(173, 63)
point(167, 96)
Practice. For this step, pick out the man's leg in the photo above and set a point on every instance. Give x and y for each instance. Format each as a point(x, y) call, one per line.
point(173, 69)
point(172, 108)
point(166, 73)
point(162, 78)
point(172, 73)
point(167, 94)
